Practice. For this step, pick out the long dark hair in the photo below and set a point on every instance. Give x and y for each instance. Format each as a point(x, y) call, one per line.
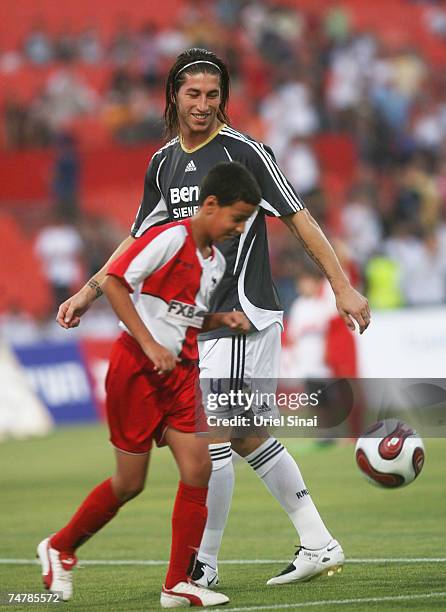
point(176, 78)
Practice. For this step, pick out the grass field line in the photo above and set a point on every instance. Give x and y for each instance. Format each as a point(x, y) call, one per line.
point(7, 561)
point(336, 602)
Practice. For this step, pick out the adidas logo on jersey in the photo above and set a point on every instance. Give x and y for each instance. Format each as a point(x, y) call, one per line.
point(191, 167)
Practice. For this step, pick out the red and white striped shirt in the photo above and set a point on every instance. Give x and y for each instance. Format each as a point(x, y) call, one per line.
point(171, 284)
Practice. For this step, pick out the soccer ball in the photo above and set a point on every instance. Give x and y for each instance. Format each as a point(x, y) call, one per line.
point(390, 454)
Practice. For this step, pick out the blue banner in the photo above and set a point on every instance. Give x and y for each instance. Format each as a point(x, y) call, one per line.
point(59, 376)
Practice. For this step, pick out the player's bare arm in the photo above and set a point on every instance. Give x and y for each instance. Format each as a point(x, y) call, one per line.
point(350, 303)
point(237, 321)
point(70, 311)
point(163, 360)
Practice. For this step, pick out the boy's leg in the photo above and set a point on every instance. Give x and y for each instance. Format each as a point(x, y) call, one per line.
point(189, 513)
point(188, 521)
point(102, 504)
point(98, 508)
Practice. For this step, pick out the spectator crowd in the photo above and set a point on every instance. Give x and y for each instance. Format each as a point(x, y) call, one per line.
point(296, 75)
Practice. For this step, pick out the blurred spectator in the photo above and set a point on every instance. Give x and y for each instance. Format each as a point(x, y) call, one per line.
point(307, 325)
point(275, 45)
point(344, 87)
point(408, 72)
point(149, 55)
point(89, 46)
point(15, 116)
point(100, 237)
point(286, 259)
point(424, 272)
point(288, 111)
point(122, 46)
point(319, 343)
point(67, 96)
point(39, 130)
point(337, 23)
point(428, 130)
point(435, 19)
point(361, 225)
point(383, 282)
point(59, 246)
point(65, 46)
point(301, 166)
point(321, 347)
point(422, 264)
point(38, 47)
point(66, 174)
point(418, 199)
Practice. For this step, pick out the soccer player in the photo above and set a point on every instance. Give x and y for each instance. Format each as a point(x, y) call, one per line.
point(152, 381)
point(197, 91)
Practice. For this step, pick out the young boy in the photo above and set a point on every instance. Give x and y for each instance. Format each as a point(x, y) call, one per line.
point(152, 381)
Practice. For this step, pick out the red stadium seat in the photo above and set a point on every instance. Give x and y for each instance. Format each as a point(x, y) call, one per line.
point(17, 18)
point(22, 284)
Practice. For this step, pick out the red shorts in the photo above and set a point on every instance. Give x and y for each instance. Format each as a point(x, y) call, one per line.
point(141, 405)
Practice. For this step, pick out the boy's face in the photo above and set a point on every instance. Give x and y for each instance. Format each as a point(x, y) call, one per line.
point(225, 222)
point(308, 286)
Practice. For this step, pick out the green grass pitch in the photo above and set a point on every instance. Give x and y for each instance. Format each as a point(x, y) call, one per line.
point(43, 481)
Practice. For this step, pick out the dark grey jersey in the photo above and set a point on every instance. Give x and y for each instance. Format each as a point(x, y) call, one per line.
point(171, 193)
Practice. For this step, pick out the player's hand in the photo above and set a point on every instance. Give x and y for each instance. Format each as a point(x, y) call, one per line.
point(351, 306)
point(237, 321)
point(70, 312)
point(163, 360)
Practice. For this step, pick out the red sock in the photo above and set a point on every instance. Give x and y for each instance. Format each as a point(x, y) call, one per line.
point(95, 511)
point(188, 523)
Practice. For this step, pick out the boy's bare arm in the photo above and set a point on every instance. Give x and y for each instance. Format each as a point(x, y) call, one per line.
point(118, 296)
point(234, 320)
point(70, 312)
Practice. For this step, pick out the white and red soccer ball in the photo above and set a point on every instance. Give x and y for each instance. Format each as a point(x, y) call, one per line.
point(390, 454)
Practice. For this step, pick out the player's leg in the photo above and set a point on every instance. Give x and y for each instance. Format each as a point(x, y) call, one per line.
point(131, 432)
point(281, 475)
point(57, 553)
point(216, 358)
point(221, 486)
point(188, 520)
point(318, 553)
point(279, 471)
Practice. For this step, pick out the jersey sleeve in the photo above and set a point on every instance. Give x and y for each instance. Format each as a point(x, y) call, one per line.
point(278, 195)
point(153, 209)
point(219, 273)
point(146, 255)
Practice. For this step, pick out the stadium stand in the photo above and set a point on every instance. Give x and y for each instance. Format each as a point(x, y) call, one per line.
point(369, 82)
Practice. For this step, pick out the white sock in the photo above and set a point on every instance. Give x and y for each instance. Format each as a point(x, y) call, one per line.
point(221, 486)
point(281, 475)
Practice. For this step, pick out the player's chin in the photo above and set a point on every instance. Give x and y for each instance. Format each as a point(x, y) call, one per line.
point(201, 124)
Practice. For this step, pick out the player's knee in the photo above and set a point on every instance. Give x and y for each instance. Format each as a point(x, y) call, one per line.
point(205, 469)
point(245, 446)
point(126, 490)
point(198, 472)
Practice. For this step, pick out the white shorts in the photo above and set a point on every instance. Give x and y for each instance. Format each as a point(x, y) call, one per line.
point(248, 364)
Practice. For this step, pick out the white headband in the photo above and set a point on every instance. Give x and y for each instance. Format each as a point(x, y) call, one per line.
point(197, 62)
